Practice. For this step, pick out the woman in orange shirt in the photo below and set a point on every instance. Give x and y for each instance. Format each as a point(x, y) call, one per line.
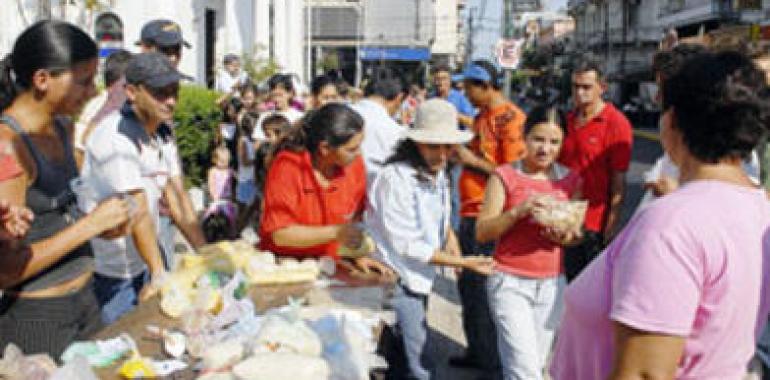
point(315, 188)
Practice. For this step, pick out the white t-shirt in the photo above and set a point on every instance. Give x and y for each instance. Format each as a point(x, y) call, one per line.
point(120, 158)
point(225, 81)
point(227, 131)
point(664, 167)
point(382, 134)
point(89, 111)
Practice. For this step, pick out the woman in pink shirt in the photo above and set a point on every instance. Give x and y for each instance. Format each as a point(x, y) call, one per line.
point(682, 292)
point(525, 290)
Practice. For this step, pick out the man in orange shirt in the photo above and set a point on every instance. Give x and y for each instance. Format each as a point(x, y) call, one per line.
point(499, 140)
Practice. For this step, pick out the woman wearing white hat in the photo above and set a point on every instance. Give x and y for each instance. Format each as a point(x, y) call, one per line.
point(408, 217)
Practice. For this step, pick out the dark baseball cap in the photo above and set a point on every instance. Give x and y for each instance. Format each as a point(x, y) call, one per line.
point(162, 33)
point(152, 70)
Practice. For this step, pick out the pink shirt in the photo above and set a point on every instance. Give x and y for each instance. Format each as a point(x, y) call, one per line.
point(689, 265)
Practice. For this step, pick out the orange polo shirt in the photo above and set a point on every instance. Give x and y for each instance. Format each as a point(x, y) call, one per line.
point(499, 139)
point(293, 196)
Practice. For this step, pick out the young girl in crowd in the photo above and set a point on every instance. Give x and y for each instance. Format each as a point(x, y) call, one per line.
point(282, 95)
point(525, 290)
point(323, 90)
point(246, 190)
point(48, 297)
point(228, 128)
point(220, 184)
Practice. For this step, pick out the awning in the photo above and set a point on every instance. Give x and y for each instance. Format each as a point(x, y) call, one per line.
point(394, 54)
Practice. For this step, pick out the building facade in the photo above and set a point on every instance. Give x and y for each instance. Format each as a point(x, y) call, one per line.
point(352, 37)
point(264, 29)
point(627, 50)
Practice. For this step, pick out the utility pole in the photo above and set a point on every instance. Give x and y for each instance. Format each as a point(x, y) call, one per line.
point(469, 42)
point(309, 42)
point(359, 37)
point(607, 31)
point(507, 33)
point(624, 4)
point(416, 22)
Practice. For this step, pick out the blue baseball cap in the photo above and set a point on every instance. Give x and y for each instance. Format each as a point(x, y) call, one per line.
point(163, 33)
point(476, 72)
point(153, 70)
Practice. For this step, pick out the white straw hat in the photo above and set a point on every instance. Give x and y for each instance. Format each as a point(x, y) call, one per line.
point(436, 123)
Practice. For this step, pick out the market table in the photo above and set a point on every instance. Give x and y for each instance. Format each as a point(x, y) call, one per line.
point(355, 292)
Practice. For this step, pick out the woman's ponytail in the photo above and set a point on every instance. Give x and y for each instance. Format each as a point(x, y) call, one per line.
point(8, 88)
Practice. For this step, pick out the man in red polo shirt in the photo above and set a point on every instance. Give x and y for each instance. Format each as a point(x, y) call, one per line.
point(598, 146)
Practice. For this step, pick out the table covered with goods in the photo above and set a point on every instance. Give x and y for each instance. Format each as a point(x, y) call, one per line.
point(232, 312)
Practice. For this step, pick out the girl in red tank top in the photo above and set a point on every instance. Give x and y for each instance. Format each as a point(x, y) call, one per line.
point(525, 290)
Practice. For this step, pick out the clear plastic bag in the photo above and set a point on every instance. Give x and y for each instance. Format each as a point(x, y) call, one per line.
point(15, 366)
point(284, 329)
point(77, 369)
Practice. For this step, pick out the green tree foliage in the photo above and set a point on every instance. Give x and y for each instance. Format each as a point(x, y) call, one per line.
point(197, 119)
point(259, 69)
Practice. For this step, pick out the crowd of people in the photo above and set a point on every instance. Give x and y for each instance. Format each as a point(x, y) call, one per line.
point(89, 211)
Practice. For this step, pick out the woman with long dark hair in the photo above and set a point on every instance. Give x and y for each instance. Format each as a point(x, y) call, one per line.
point(315, 188)
point(48, 298)
point(408, 217)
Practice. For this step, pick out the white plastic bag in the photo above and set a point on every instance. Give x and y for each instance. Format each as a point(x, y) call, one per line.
point(77, 369)
point(278, 366)
point(283, 329)
point(16, 366)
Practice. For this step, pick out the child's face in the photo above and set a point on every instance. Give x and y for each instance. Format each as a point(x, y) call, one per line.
point(543, 145)
point(222, 160)
point(281, 97)
point(248, 98)
point(272, 133)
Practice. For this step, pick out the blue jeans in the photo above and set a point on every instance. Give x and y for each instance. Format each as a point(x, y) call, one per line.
point(454, 178)
point(118, 296)
point(411, 316)
point(477, 318)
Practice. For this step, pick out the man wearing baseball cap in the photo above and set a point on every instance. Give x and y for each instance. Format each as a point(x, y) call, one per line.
point(408, 218)
point(499, 140)
point(124, 157)
point(164, 36)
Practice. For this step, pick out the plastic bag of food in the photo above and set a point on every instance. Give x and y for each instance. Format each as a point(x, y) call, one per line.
point(262, 272)
point(560, 215)
point(216, 376)
point(77, 369)
point(15, 366)
point(234, 306)
point(365, 249)
point(348, 344)
point(283, 329)
point(99, 353)
point(223, 355)
point(273, 366)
